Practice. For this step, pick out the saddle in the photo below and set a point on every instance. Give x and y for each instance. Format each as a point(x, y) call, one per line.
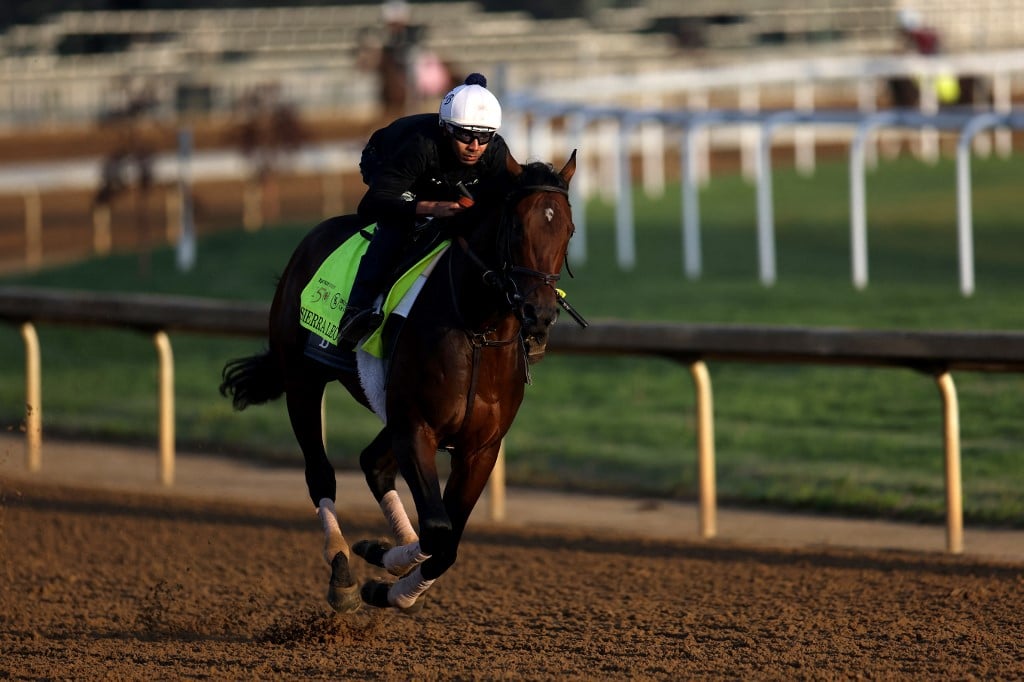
point(325, 296)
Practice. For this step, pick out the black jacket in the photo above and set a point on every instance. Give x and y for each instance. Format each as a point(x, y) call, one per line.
point(412, 160)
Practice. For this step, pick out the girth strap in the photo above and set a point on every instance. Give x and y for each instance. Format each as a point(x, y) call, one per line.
point(478, 342)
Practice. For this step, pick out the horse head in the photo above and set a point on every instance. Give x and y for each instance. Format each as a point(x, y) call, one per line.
point(537, 244)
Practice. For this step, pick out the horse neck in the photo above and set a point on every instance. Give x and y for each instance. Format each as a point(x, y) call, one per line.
point(480, 306)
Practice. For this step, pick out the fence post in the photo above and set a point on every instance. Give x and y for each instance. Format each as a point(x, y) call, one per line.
point(33, 229)
point(625, 239)
point(252, 205)
point(186, 251)
point(102, 238)
point(765, 203)
point(964, 223)
point(693, 134)
point(166, 407)
point(496, 498)
point(858, 200)
point(951, 441)
point(33, 398)
point(707, 516)
point(579, 189)
point(804, 136)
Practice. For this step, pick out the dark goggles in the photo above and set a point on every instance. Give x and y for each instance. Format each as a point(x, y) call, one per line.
point(466, 136)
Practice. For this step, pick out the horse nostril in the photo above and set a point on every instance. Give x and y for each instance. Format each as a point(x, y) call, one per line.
point(529, 315)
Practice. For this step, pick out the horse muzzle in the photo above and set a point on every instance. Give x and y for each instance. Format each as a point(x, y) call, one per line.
point(536, 327)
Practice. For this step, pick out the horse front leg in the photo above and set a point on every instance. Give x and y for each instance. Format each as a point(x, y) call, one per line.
point(441, 528)
point(380, 467)
point(303, 396)
point(381, 470)
point(416, 457)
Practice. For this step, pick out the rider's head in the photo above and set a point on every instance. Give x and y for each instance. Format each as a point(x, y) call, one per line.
point(470, 115)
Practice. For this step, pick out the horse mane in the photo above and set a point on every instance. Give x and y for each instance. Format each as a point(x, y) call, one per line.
point(538, 173)
point(534, 174)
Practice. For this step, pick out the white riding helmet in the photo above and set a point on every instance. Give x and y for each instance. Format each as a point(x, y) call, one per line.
point(471, 106)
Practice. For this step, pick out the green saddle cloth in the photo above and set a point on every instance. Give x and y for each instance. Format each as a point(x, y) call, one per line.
point(325, 297)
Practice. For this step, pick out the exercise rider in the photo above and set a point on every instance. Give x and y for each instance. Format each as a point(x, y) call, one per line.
point(414, 169)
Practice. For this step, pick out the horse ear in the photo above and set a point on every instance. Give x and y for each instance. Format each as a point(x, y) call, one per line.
point(569, 169)
point(513, 167)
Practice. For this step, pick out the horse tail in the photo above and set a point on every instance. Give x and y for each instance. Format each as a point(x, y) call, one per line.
point(252, 380)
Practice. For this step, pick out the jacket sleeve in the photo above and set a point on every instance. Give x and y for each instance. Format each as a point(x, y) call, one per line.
point(384, 199)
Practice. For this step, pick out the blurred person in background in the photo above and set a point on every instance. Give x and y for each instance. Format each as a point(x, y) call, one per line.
point(918, 38)
point(393, 54)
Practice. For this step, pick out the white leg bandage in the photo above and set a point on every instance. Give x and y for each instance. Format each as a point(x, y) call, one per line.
point(334, 541)
point(404, 593)
point(394, 512)
point(398, 560)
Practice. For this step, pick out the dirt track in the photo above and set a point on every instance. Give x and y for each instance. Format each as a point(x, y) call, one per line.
point(124, 586)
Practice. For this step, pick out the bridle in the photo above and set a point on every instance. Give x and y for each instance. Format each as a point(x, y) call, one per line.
point(510, 227)
point(503, 279)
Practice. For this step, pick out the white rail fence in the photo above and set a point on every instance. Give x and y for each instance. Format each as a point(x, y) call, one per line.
point(617, 146)
point(603, 114)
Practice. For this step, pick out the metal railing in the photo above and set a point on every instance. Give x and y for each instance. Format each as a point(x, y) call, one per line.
point(616, 148)
point(935, 353)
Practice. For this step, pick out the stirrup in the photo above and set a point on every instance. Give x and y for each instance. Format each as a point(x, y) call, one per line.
point(358, 324)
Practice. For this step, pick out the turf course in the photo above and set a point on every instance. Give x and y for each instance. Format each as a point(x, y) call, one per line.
point(836, 439)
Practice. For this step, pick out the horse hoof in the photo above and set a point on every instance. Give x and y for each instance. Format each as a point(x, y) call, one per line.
point(372, 551)
point(375, 593)
point(343, 591)
point(344, 599)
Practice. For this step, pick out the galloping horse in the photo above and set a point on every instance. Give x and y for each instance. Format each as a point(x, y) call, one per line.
point(458, 367)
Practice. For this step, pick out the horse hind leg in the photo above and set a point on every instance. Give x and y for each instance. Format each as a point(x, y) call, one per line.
point(342, 590)
point(304, 399)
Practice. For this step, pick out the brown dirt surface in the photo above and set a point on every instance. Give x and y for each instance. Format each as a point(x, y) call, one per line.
point(120, 585)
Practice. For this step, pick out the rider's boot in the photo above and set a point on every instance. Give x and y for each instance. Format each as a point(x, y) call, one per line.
point(356, 323)
point(361, 316)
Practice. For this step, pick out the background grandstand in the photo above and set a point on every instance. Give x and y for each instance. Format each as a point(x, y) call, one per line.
point(115, 90)
point(69, 62)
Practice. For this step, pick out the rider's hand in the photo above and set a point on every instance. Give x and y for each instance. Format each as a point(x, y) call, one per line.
point(439, 209)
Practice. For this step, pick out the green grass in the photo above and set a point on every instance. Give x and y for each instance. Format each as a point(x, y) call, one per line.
point(834, 439)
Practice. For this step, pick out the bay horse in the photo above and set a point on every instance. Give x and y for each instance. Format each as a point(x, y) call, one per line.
point(457, 375)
